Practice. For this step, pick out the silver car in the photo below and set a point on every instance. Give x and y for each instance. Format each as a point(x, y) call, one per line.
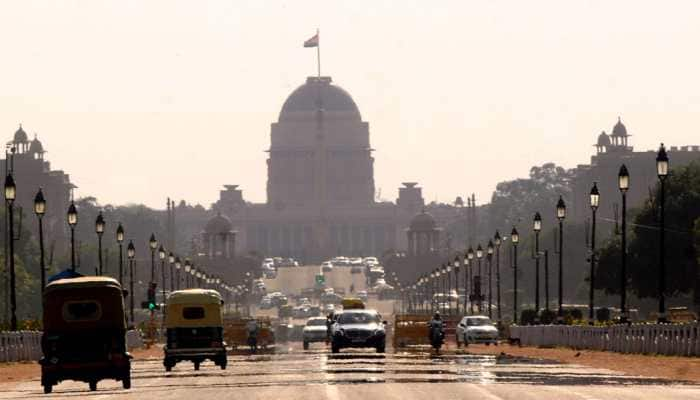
point(315, 331)
point(476, 329)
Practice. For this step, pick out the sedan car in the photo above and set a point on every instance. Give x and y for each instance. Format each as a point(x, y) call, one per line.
point(326, 266)
point(476, 329)
point(315, 330)
point(358, 328)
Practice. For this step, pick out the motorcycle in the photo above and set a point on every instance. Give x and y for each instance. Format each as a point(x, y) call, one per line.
point(436, 335)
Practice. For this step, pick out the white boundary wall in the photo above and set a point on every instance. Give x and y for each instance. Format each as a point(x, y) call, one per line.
point(667, 339)
point(26, 345)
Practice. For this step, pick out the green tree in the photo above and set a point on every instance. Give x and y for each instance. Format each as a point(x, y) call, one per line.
point(682, 211)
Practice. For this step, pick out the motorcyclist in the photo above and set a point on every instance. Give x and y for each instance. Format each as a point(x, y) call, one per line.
point(436, 327)
point(329, 326)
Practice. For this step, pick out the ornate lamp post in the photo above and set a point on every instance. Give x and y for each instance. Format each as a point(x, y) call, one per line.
point(497, 242)
point(515, 238)
point(662, 172)
point(178, 265)
point(431, 299)
point(623, 183)
point(171, 262)
point(537, 227)
point(561, 215)
point(130, 254)
point(99, 229)
point(472, 285)
point(120, 240)
point(489, 257)
point(457, 264)
point(72, 222)
point(595, 202)
point(40, 210)
point(188, 268)
point(153, 244)
point(10, 196)
point(479, 255)
point(447, 270)
point(161, 255)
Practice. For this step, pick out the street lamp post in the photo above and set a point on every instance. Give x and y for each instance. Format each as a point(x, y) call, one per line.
point(99, 229)
point(489, 256)
point(537, 227)
point(497, 242)
point(153, 244)
point(178, 265)
point(472, 285)
point(162, 255)
point(448, 273)
point(515, 238)
point(72, 222)
point(623, 180)
point(561, 215)
point(120, 240)
point(595, 202)
point(130, 254)
point(479, 281)
point(457, 267)
point(171, 262)
point(40, 210)
point(10, 196)
point(662, 172)
point(188, 268)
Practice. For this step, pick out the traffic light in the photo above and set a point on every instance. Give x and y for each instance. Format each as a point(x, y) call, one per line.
point(151, 296)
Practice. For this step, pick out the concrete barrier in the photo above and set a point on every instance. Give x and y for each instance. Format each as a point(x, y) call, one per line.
point(666, 339)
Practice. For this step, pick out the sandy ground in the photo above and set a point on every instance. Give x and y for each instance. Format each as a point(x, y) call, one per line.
point(675, 368)
point(21, 371)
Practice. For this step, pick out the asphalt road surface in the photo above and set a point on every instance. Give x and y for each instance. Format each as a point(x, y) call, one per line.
point(360, 374)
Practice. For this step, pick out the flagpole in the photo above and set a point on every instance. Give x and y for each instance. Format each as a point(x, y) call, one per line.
point(318, 53)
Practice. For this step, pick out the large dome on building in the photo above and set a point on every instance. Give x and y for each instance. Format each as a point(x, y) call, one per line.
point(218, 224)
point(423, 222)
point(319, 93)
point(20, 135)
point(619, 129)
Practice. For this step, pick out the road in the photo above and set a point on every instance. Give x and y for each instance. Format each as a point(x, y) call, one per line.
point(291, 280)
point(360, 374)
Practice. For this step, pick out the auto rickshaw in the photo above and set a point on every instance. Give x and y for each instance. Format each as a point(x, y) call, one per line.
point(84, 335)
point(194, 328)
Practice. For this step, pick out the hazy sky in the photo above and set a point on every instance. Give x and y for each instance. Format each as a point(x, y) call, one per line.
point(139, 100)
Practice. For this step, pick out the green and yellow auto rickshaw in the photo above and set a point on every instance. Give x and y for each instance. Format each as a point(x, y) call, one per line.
point(84, 335)
point(194, 328)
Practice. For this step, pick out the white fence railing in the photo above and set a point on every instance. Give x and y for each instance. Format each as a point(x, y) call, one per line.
point(667, 339)
point(26, 345)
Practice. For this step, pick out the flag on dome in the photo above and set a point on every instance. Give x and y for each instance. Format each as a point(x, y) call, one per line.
point(313, 42)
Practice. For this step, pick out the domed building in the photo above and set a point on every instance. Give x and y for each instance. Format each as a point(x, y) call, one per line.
point(320, 186)
point(423, 235)
point(219, 238)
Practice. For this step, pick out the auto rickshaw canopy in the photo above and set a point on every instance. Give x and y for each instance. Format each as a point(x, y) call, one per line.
point(191, 308)
point(88, 302)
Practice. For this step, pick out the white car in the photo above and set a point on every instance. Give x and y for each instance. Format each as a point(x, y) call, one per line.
point(326, 266)
point(315, 330)
point(476, 329)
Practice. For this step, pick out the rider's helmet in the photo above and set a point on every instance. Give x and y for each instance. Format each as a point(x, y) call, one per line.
point(436, 316)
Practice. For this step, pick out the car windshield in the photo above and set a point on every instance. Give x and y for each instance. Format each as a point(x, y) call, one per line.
point(316, 322)
point(358, 318)
point(478, 321)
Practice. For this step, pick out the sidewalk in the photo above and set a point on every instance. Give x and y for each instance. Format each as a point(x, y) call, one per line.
point(674, 368)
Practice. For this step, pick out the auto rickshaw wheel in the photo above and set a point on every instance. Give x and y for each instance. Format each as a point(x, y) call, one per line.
point(93, 386)
point(196, 365)
point(126, 382)
point(48, 388)
point(168, 368)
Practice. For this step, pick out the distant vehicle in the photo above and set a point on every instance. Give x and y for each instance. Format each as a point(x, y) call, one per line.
point(285, 311)
point(476, 329)
point(280, 300)
point(362, 295)
point(356, 262)
point(314, 331)
point(326, 266)
point(329, 308)
point(356, 270)
point(358, 328)
point(350, 303)
point(370, 261)
point(315, 311)
point(331, 298)
point(303, 301)
point(266, 303)
point(341, 261)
